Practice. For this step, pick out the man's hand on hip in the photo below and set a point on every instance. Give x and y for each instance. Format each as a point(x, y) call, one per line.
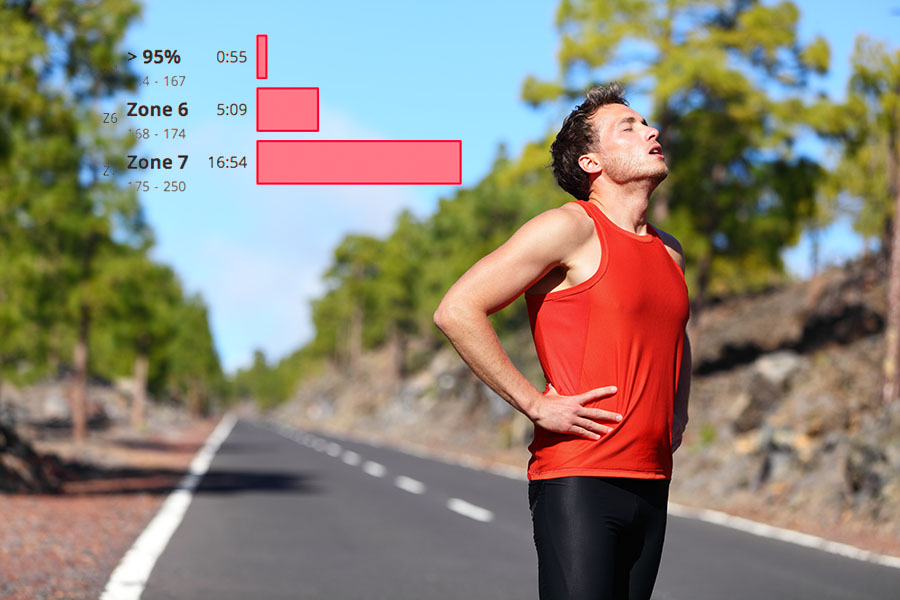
point(678, 426)
point(567, 414)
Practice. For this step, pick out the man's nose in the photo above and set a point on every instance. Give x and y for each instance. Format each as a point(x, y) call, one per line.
point(652, 133)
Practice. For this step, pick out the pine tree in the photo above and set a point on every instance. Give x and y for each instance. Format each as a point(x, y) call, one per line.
point(56, 211)
point(869, 171)
point(736, 194)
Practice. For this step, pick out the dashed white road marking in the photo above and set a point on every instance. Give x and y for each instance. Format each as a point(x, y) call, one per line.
point(351, 458)
point(785, 535)
point(470, 510)
point(129, 578)
point(710, 516)
point(333, 449)
point(374, 469)
point(413, 486)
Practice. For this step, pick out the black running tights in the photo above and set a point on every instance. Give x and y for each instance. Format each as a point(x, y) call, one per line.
point(598, 538)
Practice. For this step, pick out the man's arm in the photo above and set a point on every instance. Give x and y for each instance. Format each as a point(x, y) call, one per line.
point(543, 243)
point(680, 415)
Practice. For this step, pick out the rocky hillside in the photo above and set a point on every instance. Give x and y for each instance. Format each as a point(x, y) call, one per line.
point(786, 420)
point(36, 451)
point(787, 423)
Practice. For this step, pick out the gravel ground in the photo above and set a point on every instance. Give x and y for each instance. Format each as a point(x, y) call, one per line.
point(66, 545)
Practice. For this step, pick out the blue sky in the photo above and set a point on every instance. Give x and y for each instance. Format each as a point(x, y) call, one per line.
point(386, 70)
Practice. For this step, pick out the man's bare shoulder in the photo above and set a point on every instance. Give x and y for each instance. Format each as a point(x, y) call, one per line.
point(673, 246)
point(567, 224)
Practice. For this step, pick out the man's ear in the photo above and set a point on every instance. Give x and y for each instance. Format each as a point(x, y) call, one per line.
point(590, 163)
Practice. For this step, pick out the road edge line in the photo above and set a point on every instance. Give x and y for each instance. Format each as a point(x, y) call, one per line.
point(679, 510)
point(128, 579)
point(780, 533)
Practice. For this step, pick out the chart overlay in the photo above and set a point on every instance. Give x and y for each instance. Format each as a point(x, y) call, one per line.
point(262, 56)
point(348, 162)
point(338, 162)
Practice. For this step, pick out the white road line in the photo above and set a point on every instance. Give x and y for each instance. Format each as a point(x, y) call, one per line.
point(677, 510)
point(333, 449)
point(374, 469)
point(470, 510)
point(351, 458)
point(515, 473)
point(509, 472)
point(409, 484)
point(129, 578)
point(784, 535)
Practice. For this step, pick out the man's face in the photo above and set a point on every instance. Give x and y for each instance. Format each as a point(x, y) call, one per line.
point(627, 147)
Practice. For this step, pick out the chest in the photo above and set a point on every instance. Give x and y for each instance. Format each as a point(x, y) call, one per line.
point(642, 285)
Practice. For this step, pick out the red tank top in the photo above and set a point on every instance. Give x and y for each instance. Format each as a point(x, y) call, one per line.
point(625, 327)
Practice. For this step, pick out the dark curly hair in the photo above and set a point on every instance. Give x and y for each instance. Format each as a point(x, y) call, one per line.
point(576, 137)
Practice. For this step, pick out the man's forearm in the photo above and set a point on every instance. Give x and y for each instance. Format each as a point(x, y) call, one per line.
point(684, 383)
point(477, 343)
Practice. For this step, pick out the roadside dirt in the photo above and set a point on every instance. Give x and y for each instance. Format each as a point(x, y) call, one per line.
point(66, 545)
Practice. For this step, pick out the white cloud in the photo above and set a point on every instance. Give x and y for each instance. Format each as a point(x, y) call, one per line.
point(259, 299)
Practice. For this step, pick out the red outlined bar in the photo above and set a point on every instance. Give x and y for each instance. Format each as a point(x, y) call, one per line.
point(362, 162)
point(287, 109)
point(262, 56)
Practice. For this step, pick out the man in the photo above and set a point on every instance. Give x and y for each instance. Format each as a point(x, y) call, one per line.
point(608, 306)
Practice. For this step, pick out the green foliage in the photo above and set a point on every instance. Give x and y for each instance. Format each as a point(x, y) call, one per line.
point(74, 243)
point(727, 84)
point(867, 128)
point(267, 385)
point(723, 79)
point(55, 213)
point(191, 369)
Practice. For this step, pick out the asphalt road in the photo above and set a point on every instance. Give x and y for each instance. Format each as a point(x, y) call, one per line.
point(286, 514)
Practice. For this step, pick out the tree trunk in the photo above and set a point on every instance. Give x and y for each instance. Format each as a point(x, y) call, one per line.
point(139, 402)
point(815, 235)
point(662, 196)
point(397, 344)
point(354, 340)
point(660, 210)
point(54, 353)
point(704, 263)
point(891, 244)
point(887, 239)
point(704, 269)
point(78, 395)
point(892, 331)
point(194, 400)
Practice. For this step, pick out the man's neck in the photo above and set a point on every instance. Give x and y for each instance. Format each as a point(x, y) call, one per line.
point(626, 206)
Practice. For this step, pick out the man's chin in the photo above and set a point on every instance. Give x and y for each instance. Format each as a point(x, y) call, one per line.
point(659, 175)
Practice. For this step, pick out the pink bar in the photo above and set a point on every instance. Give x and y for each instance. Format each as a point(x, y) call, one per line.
point(287, 109)
point(343, 162)
point(262, 56)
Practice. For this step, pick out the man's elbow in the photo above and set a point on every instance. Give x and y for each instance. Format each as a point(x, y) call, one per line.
point(451, 314)
point(444, 315)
